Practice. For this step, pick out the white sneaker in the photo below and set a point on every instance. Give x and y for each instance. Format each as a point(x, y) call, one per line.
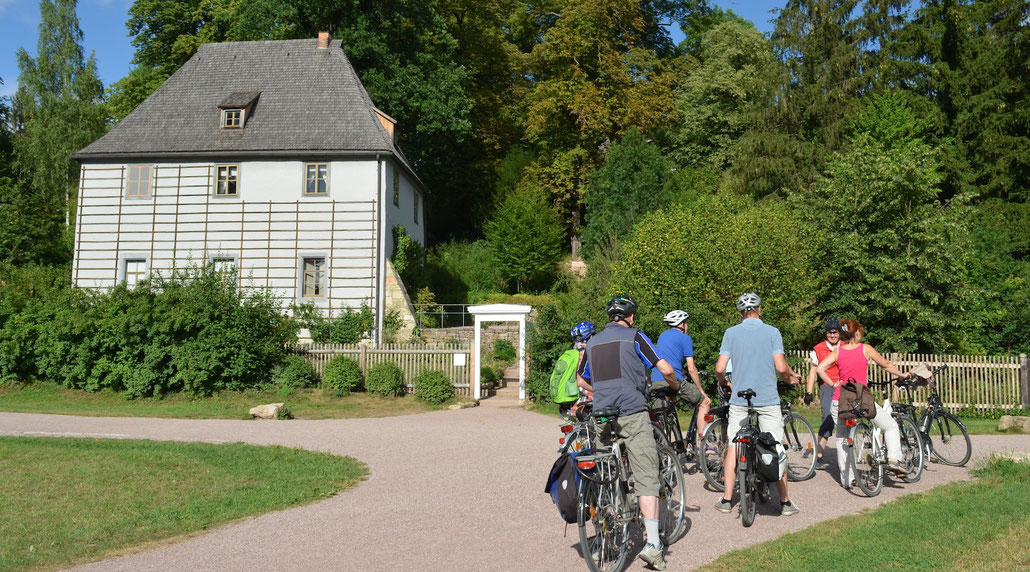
point(653, 555)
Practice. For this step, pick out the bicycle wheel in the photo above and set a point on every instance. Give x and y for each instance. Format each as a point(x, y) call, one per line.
point(712, 454)
point(575, 442)
point(602, 530)
point(912, 457)
point(672, 496)
point(799, 443)
point(865, 452)
point(747, 486)
point(949, 439)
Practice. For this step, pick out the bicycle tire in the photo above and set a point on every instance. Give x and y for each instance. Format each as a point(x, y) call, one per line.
point(949, 446)
point(599, 510)
point(672, 496)
point(868, 470)
point(575, 442)
point(799, 443)
point(912, 454)
point(747, 486)
point(712, 454)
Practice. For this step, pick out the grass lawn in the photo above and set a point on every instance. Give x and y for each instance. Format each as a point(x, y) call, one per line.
point(973, 525)
point(44, 397)
point(68, 501)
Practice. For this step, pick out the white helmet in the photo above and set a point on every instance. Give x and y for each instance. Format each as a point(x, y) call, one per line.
point(748, 302)
point(675, 318)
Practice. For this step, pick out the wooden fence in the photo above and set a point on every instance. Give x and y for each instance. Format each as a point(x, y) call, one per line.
point(980, 382)
point(453, 360)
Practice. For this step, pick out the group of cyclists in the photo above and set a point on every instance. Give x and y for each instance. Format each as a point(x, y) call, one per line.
point(613, 373)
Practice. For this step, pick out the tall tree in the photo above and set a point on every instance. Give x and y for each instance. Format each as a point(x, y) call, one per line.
point(57, 111)
point(599, 69)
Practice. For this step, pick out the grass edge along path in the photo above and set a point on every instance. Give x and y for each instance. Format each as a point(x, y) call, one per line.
point(70, 500)
point(314, 403)
point(964, 525)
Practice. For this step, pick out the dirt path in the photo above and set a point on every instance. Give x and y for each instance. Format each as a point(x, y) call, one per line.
point(449, 490)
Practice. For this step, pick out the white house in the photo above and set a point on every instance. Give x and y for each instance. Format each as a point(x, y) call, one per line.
point(269, 156)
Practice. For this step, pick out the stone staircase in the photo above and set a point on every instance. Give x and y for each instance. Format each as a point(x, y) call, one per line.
point(506, 394)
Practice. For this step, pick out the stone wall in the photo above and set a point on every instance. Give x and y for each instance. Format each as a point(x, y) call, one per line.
point(397, 300)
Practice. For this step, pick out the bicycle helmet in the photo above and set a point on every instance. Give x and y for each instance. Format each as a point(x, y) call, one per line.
point(832, 324)
point(582, 331)
point(621, 306)
point(675, 318)
point(748, 302)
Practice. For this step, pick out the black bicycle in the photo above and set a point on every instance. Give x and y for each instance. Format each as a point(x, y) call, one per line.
point(752, 488)
point(943, 434)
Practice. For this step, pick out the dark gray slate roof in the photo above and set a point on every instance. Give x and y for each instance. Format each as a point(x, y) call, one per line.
point(311, 104)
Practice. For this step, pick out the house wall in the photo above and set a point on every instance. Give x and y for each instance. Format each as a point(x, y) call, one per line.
point(269, 227)
point(403, 212)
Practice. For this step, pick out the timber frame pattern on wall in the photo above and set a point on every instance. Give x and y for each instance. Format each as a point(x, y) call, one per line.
point(183, 224)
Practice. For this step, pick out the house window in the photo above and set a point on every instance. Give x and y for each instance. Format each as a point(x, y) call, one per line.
point(223, 263)
point(232, 118)
point(316, 179)
point(138, 184)
point(134, 270)
point(416, 207)
point(396, 189)
point(226, 178)
point(313, 281)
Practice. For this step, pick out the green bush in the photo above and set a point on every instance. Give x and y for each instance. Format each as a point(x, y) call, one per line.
point(488, 376)
point(433, 386)
point(385, 379)
point(284, 413)
point(343, 375)
point(350, 326)
point(504, 352)
point(462, 272)
point(294, 372)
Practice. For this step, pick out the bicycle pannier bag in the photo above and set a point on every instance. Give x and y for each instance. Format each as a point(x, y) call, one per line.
point(563, 485)
point(772, 459)
point(855, 394)
point(563, 378)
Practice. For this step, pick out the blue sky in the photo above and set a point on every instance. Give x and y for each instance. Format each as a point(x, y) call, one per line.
point(103, 27)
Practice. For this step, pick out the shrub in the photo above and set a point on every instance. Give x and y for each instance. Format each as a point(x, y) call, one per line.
point(349, 327)
point(294, 372)
point(284, 413)
point(433, 386)
point(385, 379)
point(488, 376)
point(504, 352)
point(343, 375)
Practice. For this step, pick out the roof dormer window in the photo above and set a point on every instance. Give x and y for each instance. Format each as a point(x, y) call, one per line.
point(232, 118)
point(236, 107)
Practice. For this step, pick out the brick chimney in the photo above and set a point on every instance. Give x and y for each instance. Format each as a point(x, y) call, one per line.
point(323, 40)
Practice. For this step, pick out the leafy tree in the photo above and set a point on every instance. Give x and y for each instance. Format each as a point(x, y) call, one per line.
point(57, 111)
point(525, 237)
point(702, 257)
point(696, 19)
point(630, 184)
point(892, 253)
point(711, 100)
point(599, 69)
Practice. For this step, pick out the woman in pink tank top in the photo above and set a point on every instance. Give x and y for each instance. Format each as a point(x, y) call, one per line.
point(852, 359)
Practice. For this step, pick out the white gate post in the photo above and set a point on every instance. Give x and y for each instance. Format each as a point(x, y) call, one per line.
point(476, 394)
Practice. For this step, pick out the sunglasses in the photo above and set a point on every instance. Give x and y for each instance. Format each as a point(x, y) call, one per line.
point(833, 332)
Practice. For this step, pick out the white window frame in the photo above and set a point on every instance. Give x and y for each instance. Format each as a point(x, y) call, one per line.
point(316, 165)
point(214, 259)
point(123, 268)
point(129, 183)
point(236, 180)
point(301, 259)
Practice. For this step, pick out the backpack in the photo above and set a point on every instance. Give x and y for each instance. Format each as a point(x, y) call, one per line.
point(563, 486)
point(772, 459)
point(563, 377)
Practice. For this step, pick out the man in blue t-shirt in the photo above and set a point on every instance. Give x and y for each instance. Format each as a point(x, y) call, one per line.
point(677, 348)
point(757, 352)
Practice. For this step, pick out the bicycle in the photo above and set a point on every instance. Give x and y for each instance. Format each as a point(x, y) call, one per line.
point(607, 503)
point(867, 452)
point(752, 488)
point(942, 433)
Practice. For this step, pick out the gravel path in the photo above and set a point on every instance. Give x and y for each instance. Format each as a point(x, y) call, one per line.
point(449, 490)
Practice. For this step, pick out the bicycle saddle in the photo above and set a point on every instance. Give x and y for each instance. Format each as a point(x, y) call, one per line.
point(746, 394)
point(609, 412)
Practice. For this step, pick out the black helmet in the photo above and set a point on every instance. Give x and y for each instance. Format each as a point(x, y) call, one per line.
point(621, 306)
point(832, 324)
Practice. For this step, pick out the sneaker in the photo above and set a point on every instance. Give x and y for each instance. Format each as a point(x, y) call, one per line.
point(723, 506)
point(894, 466)
point(820, 465)
point(653, 555)
point(789, 508)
